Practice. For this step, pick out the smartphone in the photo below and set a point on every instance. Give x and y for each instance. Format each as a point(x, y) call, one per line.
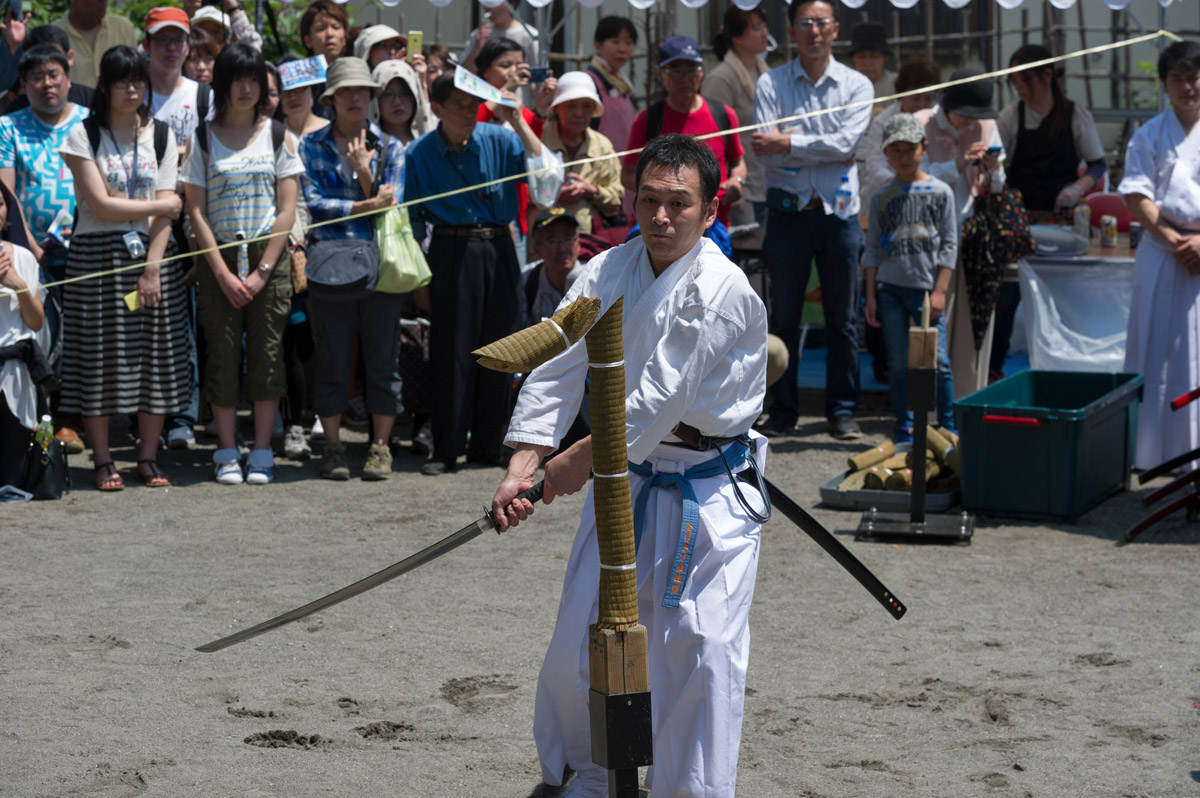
point(415, 38)
point(539, 74)
point(15, 11)
point(994, 150)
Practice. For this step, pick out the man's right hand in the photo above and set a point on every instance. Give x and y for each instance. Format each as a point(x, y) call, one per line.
point(770, 143)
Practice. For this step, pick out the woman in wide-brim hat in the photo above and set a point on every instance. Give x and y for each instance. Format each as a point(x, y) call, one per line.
point(592, 190)
point(341, 163)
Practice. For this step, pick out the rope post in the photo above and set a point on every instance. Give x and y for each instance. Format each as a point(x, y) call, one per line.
point(619, 699)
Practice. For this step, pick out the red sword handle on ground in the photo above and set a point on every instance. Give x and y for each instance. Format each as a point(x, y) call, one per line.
point(485, 523)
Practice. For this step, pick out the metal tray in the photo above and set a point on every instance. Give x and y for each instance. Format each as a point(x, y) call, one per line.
point(883, 500)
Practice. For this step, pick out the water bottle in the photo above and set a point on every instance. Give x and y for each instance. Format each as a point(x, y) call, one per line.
point(44, 433)
point(243, 257)
point(842, 199)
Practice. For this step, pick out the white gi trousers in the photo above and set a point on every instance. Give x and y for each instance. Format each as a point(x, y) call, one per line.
point(1164, 344)
point(698, 652)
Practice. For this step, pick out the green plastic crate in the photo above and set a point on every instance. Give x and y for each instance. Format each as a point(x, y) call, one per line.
point(1047, 444)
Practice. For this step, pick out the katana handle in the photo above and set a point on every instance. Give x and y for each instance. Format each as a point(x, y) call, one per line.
point(534, 495)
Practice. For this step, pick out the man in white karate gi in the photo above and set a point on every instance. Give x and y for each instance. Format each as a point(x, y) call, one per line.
point(1162, 189)
point(695, 338)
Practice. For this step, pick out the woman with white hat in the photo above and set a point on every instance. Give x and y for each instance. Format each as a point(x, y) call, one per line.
point(341, 163)
point(592, 190)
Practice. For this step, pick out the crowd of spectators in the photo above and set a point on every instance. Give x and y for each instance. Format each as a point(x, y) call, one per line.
point(123, 146)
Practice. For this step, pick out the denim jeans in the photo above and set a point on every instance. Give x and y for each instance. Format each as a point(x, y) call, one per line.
point(792, 242)
point(898, 309)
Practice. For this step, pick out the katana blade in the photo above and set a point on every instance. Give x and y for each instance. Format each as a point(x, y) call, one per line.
point(471, 531)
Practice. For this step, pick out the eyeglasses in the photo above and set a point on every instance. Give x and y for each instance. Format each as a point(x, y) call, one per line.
point(126, 85)
point(682, 71)
point(811, 24)
point(53, 77)
point(169, 41)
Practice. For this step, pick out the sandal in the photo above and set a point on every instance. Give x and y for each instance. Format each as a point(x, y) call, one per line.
point(107, 478)
point(156, 478)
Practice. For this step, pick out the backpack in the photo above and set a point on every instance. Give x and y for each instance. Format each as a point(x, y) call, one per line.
point(203, 98)
point(91, 126)
point(654, 120)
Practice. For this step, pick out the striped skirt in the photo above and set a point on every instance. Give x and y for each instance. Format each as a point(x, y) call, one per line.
point(115, 360)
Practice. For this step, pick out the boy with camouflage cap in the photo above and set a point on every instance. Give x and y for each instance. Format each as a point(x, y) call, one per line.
point(911, 249)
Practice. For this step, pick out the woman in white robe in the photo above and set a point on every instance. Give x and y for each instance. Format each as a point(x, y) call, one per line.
point(1162, 188)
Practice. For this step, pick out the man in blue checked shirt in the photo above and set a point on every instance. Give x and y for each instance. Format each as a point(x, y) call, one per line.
point(476, 274)
point(805, 163)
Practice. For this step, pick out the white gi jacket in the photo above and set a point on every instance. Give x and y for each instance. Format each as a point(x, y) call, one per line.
point(1162, 162)
point(695, 350)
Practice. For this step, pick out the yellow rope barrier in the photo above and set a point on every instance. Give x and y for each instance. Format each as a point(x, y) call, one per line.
point(755, 126)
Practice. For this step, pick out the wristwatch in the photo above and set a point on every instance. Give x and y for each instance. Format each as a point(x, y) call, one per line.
point(265, 268)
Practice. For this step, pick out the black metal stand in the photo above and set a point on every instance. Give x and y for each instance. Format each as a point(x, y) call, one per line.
point(915, 527)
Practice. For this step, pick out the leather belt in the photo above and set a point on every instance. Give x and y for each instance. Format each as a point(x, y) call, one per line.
point(484, 231)
point(692, 438)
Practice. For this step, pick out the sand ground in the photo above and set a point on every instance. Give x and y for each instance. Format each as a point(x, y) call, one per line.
point(1041, 660)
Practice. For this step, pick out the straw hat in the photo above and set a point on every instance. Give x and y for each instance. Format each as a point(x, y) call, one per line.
point(346, 72)
point(576, 86)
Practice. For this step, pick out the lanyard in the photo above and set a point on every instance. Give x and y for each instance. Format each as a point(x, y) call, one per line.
point(131, 179)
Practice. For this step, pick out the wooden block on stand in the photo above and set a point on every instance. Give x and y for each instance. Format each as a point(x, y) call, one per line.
point(618, 661)
point(922, 348)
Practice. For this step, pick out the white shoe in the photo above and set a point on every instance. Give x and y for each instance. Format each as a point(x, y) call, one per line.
point(590, 783)
point(318, 431)
point(294, 445)
point(228, 464)
point(260, 467)
point(181, 438)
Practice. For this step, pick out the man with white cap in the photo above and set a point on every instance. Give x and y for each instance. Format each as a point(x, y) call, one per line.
point(233, 25)
point(592, 190)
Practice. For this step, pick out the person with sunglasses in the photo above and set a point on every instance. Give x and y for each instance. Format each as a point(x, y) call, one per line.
point(807, 161)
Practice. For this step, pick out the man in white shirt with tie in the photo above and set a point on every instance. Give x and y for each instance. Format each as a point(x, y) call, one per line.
point(805, 162)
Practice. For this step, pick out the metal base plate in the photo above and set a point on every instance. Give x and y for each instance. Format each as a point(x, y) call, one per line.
point(899, 528)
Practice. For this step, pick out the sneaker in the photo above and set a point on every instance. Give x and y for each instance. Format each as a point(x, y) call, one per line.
point(294, 445)
point(439, 466)
point(181, 438)
point(333, 462)
point(379, 463)
point(261, 467)
point(228, 466)
point(775, 426)
point(422, 441)
point(318, 431)
point(844, 428)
